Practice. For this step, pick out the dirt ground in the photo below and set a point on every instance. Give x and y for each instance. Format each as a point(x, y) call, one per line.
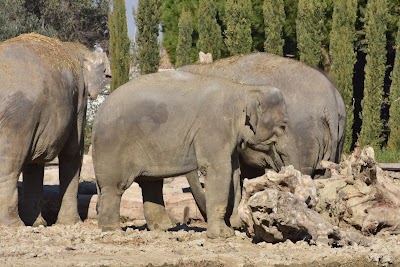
point(85, 245)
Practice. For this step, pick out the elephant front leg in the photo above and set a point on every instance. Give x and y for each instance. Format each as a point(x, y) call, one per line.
point(153, 205)
point(31, 208)
point(9, 198)
point(218, 181)
point(69, 169)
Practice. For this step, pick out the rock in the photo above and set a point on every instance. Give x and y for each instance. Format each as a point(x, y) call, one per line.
point(205, 58)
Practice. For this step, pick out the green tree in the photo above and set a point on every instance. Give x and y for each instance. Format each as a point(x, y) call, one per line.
point(15, 19)
point(274, 19)
point(84, 21)
point(394, 112)
point(185, 39)
point(147, 19)
point(171, 11)
point(238, 27)
point(289, 28)
point(210, 39)
point(309, 26)
point(375, 26)
point(342, 50)
point(119, 45)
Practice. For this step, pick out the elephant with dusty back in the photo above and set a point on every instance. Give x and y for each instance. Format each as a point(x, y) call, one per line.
point(171, 123)
point(317, 115)
point(44, 85)
point(316, 111)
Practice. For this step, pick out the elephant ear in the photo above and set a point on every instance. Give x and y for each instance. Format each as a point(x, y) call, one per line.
point(253, 109)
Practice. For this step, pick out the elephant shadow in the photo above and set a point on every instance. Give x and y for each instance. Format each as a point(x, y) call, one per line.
point(177, 228)
point(51, 200)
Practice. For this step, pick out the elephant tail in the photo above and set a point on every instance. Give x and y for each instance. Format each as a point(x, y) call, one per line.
point(342, 124)
point(330, 141)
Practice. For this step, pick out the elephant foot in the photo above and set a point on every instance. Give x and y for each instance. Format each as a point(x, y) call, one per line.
point(235, 221)
point(162, 224)
point(219, 230)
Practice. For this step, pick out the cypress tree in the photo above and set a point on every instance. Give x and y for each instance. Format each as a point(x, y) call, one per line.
point(394, 111)
point(274, 20)
point(238, 26)
point(210, 39)
point(147, 19)
point(171, 11)
point(309, 24)
point(119, 45)
point(342, 50)
point(375, 26)
point(184, 39)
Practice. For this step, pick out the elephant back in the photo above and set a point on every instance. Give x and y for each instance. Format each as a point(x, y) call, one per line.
point(51, 52)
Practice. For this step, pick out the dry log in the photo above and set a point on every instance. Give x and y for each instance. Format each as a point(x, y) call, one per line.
point(279, 216)
point(367, 199)
point(276, 207)
point(288, 179)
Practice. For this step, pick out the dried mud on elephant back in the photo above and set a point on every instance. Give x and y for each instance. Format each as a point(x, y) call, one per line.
point(359, 200)
point(61, 52)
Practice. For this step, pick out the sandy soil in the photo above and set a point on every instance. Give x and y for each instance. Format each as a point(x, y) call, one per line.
point(187, 245)
point(85, 245)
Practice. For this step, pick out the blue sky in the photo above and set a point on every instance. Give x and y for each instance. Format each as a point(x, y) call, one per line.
point(129, 17)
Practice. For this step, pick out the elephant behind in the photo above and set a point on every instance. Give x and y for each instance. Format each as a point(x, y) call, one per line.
point(171, 123)
point(316, 111)
point(44, 85)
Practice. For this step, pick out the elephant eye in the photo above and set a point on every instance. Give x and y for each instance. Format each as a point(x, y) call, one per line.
point(281, 129)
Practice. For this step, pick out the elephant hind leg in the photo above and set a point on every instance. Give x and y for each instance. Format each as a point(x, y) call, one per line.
point(153, 205)
point(197, 192)
point(11, 162)
point(109, 209)
point(69, 170)
point(31, 208)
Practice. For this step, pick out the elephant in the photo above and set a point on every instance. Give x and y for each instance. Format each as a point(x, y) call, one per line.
point(172, 123)
point(44, 87)
point(316, 112)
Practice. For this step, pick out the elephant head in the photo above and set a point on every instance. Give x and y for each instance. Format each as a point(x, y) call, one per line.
point(266, 116)
point(96, 68)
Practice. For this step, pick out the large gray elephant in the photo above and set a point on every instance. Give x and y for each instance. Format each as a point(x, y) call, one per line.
point(316, 111)
point(317, 115)
point(171, 123)
point(44, 85)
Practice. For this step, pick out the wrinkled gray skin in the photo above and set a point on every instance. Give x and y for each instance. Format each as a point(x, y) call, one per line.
point(172, 123)
point(317, 115)
point(44, 85)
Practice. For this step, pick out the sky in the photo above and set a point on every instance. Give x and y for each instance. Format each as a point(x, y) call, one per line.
point(129, 17)
point(129, 4)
